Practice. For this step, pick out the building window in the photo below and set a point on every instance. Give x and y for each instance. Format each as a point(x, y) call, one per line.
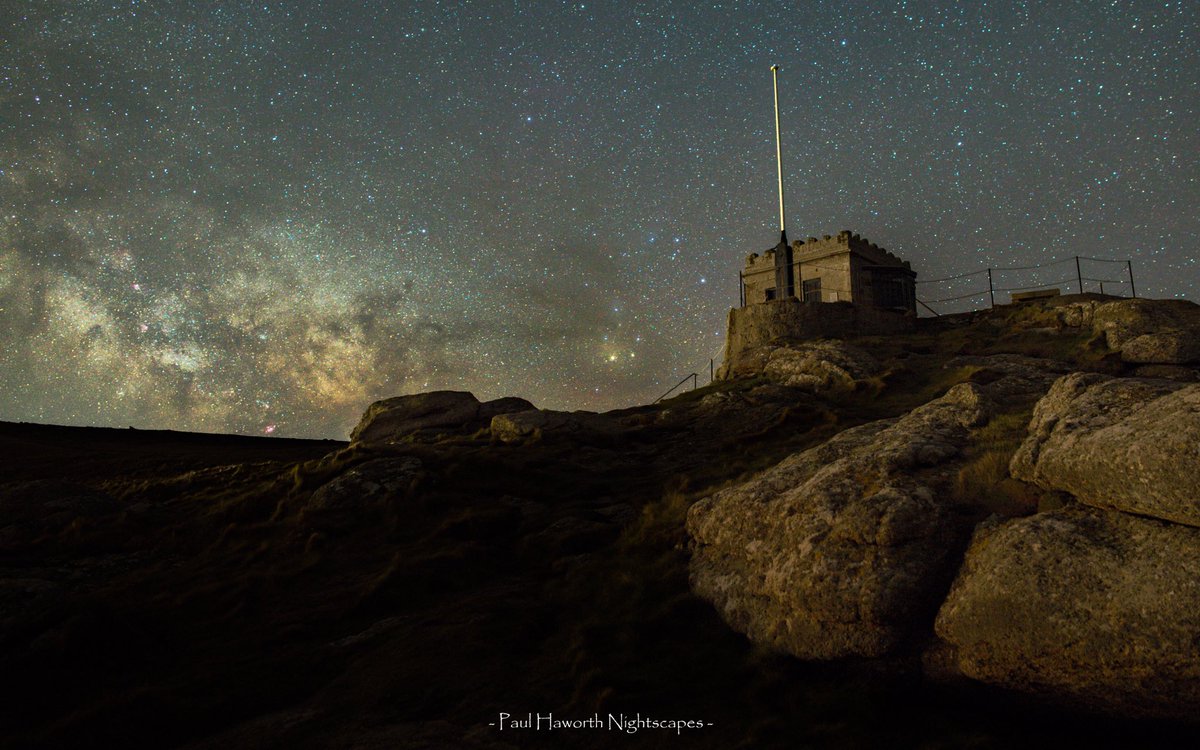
point(770, 294)
point(812, 290)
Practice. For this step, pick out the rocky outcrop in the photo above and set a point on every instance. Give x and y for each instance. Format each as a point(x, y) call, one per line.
point(1091, 607)
point(819, 366)
point(1126, 321)
point(540, 423)
point(53, 501)
point(1168, 372)
point(28, 509)
point(842, 549)
point(506, 405)
point(1130, 444)
point(366, 484)
point(1164, 347)
point(1145, 331)
point(1012, 377)
point(393, 419)
point(755, 326)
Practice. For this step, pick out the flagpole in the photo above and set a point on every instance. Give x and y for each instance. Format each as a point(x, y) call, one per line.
point(778, 152)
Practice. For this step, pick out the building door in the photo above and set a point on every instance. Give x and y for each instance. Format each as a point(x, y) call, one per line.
point(812, 290)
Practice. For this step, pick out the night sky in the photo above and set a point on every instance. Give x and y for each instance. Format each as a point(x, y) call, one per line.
point(260, 217)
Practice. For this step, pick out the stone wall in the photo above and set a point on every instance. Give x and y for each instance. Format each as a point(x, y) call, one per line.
point(834, 273)
point(758, 276)
point(842, 262)
point(790, 319)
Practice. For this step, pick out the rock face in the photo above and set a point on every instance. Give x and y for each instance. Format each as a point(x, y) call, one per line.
point(437, 411)
point(1169, 372)
point(1169, 347)
point(1013, 377)
point(506, 405)
point(1130, 444)
point(841, 549)
point(758, 325)
point(366, 484)
point(53, 501)
point(1145, 331)
point(523, 425)
point(1171, 326)
point(819, 366)
point(1092, 607)
point(815, 366)
point(31, 508)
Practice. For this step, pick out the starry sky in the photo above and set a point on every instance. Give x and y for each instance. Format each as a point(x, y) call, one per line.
point(260, 217)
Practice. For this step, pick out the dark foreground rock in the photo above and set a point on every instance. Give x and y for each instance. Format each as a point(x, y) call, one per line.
point(393, 419)
point(407, 590)
point(367, 484)
point(28, 509)
point(1093, 608)
point(541, 423)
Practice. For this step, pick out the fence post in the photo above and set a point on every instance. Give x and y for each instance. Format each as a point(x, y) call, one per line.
point(991, 291)
point(711, 370)
point(741, 289)
point(695, 381)
point(1078, 274)
point(1129, 268)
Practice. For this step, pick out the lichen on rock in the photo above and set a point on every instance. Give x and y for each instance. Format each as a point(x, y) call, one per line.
point(843, 549)
point(1131, 444)
point(819, 366)
point(1094, 608)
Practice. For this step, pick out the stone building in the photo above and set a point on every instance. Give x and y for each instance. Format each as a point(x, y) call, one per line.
point(842, 268)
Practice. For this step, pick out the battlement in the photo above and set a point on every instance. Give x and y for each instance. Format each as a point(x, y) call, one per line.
point(845, 241)
point(756, 262)
point(836, 268)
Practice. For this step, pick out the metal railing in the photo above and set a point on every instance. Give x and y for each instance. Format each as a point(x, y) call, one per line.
point(694, 377)
point(930, 309)
point(1023, 276)
point(994, 275)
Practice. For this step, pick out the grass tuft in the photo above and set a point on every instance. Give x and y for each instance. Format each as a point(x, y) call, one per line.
point(984, 481)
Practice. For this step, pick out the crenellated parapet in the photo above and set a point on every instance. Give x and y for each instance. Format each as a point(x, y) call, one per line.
point(846, 241)
point(835, 268)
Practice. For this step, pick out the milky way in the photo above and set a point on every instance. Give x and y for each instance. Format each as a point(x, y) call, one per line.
point(260, 217)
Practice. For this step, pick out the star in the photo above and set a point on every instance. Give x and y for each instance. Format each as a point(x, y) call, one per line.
point(212, 207)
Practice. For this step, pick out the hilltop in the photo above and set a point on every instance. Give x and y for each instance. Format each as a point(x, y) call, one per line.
point(978, 532)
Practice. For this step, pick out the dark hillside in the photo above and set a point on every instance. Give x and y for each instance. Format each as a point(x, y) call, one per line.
point(406, 594)
point(36, 451)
